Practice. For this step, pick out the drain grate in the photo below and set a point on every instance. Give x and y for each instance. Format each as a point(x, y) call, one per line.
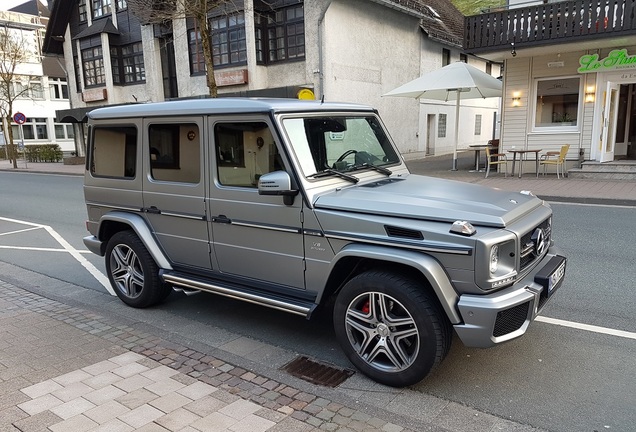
point(317, 373)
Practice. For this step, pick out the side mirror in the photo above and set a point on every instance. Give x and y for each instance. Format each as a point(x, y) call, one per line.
point(277, 183)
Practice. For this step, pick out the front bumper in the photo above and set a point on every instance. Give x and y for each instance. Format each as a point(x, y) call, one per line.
point(504, 315)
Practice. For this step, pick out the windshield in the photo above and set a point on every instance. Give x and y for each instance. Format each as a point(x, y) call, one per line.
point(339, 143)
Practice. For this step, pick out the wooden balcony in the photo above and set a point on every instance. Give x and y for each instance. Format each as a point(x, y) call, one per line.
point(546, 24)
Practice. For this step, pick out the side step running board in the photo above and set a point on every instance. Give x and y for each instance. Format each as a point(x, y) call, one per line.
point(285, 304)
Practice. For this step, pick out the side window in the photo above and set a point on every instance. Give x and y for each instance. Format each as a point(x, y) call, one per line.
point(114, 151)
point(175, 152)
point(244, 152)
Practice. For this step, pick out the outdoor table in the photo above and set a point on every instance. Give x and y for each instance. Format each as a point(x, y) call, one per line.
point(521, 154)
point(477, 148)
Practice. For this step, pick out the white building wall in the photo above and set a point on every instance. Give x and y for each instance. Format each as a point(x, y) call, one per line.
point(384, 56)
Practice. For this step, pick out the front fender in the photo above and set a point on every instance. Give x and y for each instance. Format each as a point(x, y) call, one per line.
point(139, 225)
point(425, 264)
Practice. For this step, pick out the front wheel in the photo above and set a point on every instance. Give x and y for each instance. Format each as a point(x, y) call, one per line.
point(132, 272)
point(390, 329)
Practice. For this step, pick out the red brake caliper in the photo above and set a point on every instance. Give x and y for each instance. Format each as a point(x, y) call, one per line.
point(365, 307)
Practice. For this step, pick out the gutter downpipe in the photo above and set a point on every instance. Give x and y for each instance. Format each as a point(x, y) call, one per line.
point(321, 80)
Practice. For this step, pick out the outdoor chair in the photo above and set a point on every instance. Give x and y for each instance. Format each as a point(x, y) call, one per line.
point(496, 159)
point(556, 158)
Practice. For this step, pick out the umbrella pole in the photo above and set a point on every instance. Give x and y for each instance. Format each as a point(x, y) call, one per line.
point(456, 132)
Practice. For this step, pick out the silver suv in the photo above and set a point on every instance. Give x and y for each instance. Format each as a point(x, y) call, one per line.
point(290, 204)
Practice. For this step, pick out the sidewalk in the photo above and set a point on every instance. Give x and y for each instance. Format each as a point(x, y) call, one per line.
point(66, 368)
point(547, 187)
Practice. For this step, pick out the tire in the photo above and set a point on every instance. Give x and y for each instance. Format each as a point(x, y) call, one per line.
point(390, 328)
point(132, 272)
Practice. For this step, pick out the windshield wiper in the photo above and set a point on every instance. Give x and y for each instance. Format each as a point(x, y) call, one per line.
point(329, 171)
point(382, 170)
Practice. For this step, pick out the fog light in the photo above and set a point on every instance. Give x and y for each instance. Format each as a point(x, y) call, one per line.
point(494, 259)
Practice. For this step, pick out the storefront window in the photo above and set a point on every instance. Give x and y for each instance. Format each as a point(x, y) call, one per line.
point(557, 103)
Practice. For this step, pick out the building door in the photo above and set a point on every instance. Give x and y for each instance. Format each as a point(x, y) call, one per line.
point(608, 134)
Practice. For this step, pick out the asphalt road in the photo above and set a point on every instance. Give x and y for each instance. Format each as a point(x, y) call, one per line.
point(555, 377)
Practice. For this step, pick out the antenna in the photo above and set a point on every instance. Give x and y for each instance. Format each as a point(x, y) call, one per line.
point(322, 99)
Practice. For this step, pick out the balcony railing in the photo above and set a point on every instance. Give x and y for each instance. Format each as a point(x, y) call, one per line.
point(568, 21)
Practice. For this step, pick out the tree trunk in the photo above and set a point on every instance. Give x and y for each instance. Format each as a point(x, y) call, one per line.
point(207, 54)
point(10, 146)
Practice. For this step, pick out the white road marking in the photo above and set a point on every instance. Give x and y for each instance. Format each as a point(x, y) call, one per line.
point(20, 231)
point(94, 271)
point(37, 249)
point(587, 327)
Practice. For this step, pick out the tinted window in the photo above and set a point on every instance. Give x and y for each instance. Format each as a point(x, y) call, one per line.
point(114, 151)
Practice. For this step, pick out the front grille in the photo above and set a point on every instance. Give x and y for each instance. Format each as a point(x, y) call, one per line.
point(511, 319)
point(527, 252)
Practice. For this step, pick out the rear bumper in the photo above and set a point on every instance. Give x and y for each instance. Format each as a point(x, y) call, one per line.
point(499, 317)
point(94, 245)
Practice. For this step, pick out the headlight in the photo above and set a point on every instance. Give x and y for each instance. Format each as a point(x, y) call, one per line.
point(494, 259)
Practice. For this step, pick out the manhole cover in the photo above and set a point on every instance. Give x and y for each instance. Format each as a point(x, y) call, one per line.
point(316, 372)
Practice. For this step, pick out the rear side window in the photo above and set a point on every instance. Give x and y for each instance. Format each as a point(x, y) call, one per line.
point(175, 152)
point(114, 151)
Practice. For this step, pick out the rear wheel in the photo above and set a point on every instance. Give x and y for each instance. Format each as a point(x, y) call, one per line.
point(132, 272)
point(390, 328)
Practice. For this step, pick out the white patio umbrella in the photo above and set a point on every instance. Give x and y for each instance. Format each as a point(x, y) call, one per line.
point(459, 80)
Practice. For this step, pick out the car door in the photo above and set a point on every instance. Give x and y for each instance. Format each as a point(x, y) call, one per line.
point(255, 237)
point(174, 188)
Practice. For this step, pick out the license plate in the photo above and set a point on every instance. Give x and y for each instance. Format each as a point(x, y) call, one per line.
point(555, 278)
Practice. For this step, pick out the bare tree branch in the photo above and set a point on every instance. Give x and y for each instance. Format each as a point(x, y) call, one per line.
point(160, 11)
point(14, 51)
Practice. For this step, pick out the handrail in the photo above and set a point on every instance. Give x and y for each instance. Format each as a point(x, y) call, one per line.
point(535, 25)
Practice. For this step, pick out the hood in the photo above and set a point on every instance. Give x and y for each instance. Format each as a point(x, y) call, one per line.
point(429, 198)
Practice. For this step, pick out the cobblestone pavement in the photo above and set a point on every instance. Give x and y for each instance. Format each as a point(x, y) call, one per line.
point(66, 369)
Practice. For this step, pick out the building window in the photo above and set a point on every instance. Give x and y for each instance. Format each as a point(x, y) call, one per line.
point(78, 81)
point(557, 102)
point(58, 88)
point(64, 131)
point(127, 64)
point(197, 62)
point(259, 35)
point(285, 35)
point(463, 58)
point(477, 124)
point(445, 57)
point(489, 68)
point(228, 39)
point(441, 126)
point(122, 5)
point(101, 8)
point(83, 16)
point(93, 64)
point(36, 91)
point(34, 128)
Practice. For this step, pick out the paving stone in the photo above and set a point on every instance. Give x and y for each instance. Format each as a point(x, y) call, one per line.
point(165, 386)
point(72, 377)
point(252, 423)
point(170, 402)
point(214, 422)
point(72, 408)
point(159, 373)
point(136, 398)
point(197, 390)
point(133, 383)
point(205, 406)
point(40, 404)
point(78, 423)
point(129, 369)
point(40, 389)
point(141, 416)
point(114, 425)
point(102, 380)
point(239, 409)
point(292, 425)
point(72, 391)
point(106, 412)
point(177, 419)
point(104, 395)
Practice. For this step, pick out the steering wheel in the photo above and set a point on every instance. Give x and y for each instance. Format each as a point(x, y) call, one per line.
point(345, 154)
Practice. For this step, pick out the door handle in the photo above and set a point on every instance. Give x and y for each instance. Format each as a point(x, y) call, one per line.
point(221, 219)
point(153, 210)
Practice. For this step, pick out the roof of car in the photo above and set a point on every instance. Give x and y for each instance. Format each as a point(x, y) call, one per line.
point(221, 106)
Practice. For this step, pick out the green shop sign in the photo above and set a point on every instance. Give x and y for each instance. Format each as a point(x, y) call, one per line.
point(616, 60)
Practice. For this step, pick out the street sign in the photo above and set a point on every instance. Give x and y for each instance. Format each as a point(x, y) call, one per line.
point(19, 118)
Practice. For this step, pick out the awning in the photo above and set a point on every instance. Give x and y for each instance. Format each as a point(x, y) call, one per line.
point(73, 115)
